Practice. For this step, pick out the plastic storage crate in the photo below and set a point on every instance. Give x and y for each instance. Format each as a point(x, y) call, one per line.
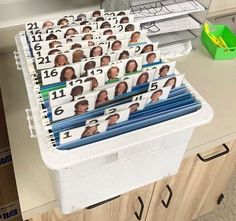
point(229, 37)
point(99, 171)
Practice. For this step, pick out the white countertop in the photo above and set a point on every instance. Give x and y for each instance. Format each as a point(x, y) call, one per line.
point(214, 80)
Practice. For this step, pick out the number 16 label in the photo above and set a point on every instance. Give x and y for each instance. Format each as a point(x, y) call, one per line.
point(60, 74)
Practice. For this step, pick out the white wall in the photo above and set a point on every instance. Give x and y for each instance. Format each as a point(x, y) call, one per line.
point(218, 5)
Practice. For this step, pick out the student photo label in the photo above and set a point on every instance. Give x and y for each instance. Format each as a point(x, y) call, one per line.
point(112, 118)
point(111, 72)
point(172, 81)
point(60, 74)
point(148, 47)
point(132, 65)
point(143, 77)
point(101, 96)
point(56, 60)
point(77, 107)
point(134, 106)
point(65, 95)
point(96, 81)
point(136, 36)
point(151, 58)
point(124, 86)
point(82, 132)
point(125, 53)
point(154, 96)
point(165, 69)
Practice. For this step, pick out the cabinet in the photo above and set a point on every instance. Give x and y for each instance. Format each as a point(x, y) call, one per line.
point(55, 215)
point(132, 206)
point(195, 190)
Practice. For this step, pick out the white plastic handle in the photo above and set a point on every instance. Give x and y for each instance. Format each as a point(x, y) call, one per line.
point(31, 127)
point(17, 60)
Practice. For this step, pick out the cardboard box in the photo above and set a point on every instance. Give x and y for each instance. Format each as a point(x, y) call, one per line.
point(4, 142)
point(9, 204)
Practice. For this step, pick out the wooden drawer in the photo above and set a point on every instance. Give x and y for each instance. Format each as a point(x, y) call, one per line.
point(56, 215)
point(132, 206)
point(195, 190)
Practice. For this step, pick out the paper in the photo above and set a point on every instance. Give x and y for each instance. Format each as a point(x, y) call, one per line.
point(146, 11)
point(166, 26)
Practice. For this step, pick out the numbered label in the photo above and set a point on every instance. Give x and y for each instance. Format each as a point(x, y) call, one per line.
point(60, 74)
point(66, 95)
point(51, 61)
point(134, 106)
point(154, 96)
point(173, 82)
point(143, 77)
point(82, 132)
point(111, 72)
point(97, 81)
point(151, 58)
point(165, 69)
point(112, 118)
point(148, 47)
point(118, 13)
point(75, 108)
point(101, 96)
point(132, 65)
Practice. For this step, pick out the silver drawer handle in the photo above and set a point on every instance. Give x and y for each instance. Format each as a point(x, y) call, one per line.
point(17, 60)
point(31, 127)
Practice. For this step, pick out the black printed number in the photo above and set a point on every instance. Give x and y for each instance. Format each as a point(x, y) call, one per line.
point(36, 38)
point(58, 111)
point(51, 30)
point(137, 49)
point(76, 81)
point(58, 94)
point(67, 135)
point(33, 32)
point(120, 27)
point(43, 60)
point(37, 47)
point(154, 86)
point(53, 73)
point(32, 26)
point(113, 110)
point(38, 53)
point(94, 72)
point(139, 97)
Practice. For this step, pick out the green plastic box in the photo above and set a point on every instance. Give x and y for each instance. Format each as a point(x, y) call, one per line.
point(229, 37)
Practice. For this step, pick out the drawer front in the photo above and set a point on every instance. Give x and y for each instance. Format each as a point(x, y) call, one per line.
point(56, 215)
point(118, 178)
point(195, 189)
point(132, 206)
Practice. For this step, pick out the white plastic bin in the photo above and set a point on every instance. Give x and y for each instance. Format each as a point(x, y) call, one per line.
point(102, 170)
